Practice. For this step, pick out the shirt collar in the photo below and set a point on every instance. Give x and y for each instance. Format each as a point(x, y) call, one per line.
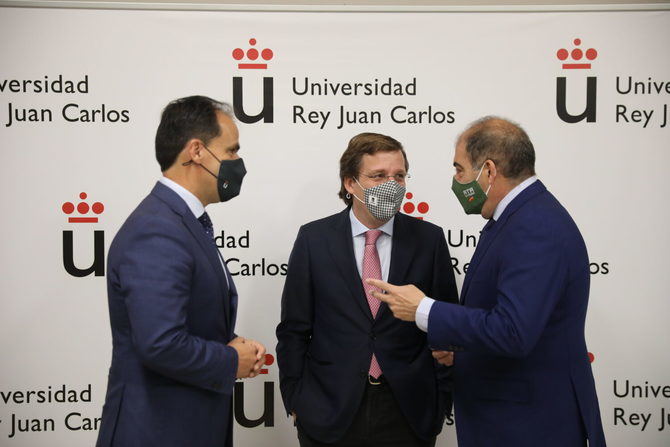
point(512, 195)
point(187, 196)
point(357, 228)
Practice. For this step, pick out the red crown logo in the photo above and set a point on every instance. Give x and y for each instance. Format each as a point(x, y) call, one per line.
point(577, 54)
point(83, 208)
point(252, 55)
point(269, 360)
point(409, 207)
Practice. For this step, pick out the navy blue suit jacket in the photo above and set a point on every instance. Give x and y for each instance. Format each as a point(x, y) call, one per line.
point(327, 335)
point(172, 314)
point(524, 377)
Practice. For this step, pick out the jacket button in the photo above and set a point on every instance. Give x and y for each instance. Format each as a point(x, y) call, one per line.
point(373, 336)
point(364, 374)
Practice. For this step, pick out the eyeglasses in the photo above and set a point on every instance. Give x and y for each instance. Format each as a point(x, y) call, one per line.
point(381, 178)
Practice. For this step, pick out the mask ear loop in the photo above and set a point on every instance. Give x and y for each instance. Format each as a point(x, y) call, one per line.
point(190, 162)
point(356, 180)
point(479, 175)
point(212, 153)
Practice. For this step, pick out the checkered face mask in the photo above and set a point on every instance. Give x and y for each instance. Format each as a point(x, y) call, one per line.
point(384, 200)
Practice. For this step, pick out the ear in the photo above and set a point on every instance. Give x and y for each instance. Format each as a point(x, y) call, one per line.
point(492, 170)
point(349, 185)
point(194, 149)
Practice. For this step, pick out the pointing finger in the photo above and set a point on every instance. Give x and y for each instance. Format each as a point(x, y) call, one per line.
point(383, 297)
point(380, 284)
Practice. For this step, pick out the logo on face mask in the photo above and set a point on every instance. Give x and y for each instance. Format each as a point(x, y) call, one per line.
point(384, 200)
point(469, 193)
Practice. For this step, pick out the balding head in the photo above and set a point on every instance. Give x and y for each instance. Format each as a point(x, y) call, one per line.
point(503, 142)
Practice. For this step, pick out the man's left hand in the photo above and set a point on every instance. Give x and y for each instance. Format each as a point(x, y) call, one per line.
point(445, 358)
point(260, 357)
point(402, 300)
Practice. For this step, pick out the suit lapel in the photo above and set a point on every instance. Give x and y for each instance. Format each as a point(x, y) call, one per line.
point(232, 302)
point(402, 253)
point(488, 237)
point(211, 252)
point(207, 246)
point(341, 247)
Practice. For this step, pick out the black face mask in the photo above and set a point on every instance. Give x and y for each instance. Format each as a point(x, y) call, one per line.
point(229, 180)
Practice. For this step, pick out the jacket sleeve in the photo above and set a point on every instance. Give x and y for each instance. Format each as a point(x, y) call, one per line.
point(154, 277)
point(531, 279)
point(295, 328)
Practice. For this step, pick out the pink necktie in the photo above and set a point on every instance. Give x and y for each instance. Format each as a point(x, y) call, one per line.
point(372, 269)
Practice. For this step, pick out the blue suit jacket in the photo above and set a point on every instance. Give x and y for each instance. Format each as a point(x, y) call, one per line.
point(327, 334)
point(171, 312)
point(524, 377)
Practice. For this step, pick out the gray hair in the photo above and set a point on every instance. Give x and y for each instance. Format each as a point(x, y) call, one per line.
point(503, 142)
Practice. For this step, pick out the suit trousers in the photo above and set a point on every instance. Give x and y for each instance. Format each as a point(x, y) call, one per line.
point(378, 423)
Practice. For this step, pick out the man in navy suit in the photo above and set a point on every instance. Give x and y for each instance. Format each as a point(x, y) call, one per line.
point(350, 373)
point(172, 302)
point(522, 376)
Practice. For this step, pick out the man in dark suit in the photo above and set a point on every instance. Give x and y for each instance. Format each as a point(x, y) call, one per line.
point(523, 377)
point(172, 302)
point(350, 373)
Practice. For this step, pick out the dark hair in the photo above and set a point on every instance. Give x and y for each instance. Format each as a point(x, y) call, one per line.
point(364, 143)
point(184, 119)
point(503, 142)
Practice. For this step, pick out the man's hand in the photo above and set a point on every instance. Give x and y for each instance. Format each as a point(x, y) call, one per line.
point(402, 300)
point(246, 357)
point(260, 356)
point(445, 358)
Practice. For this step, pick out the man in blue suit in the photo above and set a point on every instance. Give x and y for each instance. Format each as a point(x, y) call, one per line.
point(172, 302)
point(350, 373)
point(522, 376)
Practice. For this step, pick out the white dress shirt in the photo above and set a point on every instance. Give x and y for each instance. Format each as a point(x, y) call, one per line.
point(195, 205)
point(384, 243)
point(426, 303)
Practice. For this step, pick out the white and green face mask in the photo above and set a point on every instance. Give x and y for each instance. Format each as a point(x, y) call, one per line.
point(470, 195)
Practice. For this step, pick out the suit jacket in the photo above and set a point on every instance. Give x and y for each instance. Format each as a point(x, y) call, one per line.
point(172, 314)
point(327, 335)
point(524, 377)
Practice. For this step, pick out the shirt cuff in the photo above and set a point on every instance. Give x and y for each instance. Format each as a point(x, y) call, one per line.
point(422, 313)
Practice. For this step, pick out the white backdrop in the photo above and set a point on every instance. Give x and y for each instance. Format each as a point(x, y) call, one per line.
point(611, 174)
